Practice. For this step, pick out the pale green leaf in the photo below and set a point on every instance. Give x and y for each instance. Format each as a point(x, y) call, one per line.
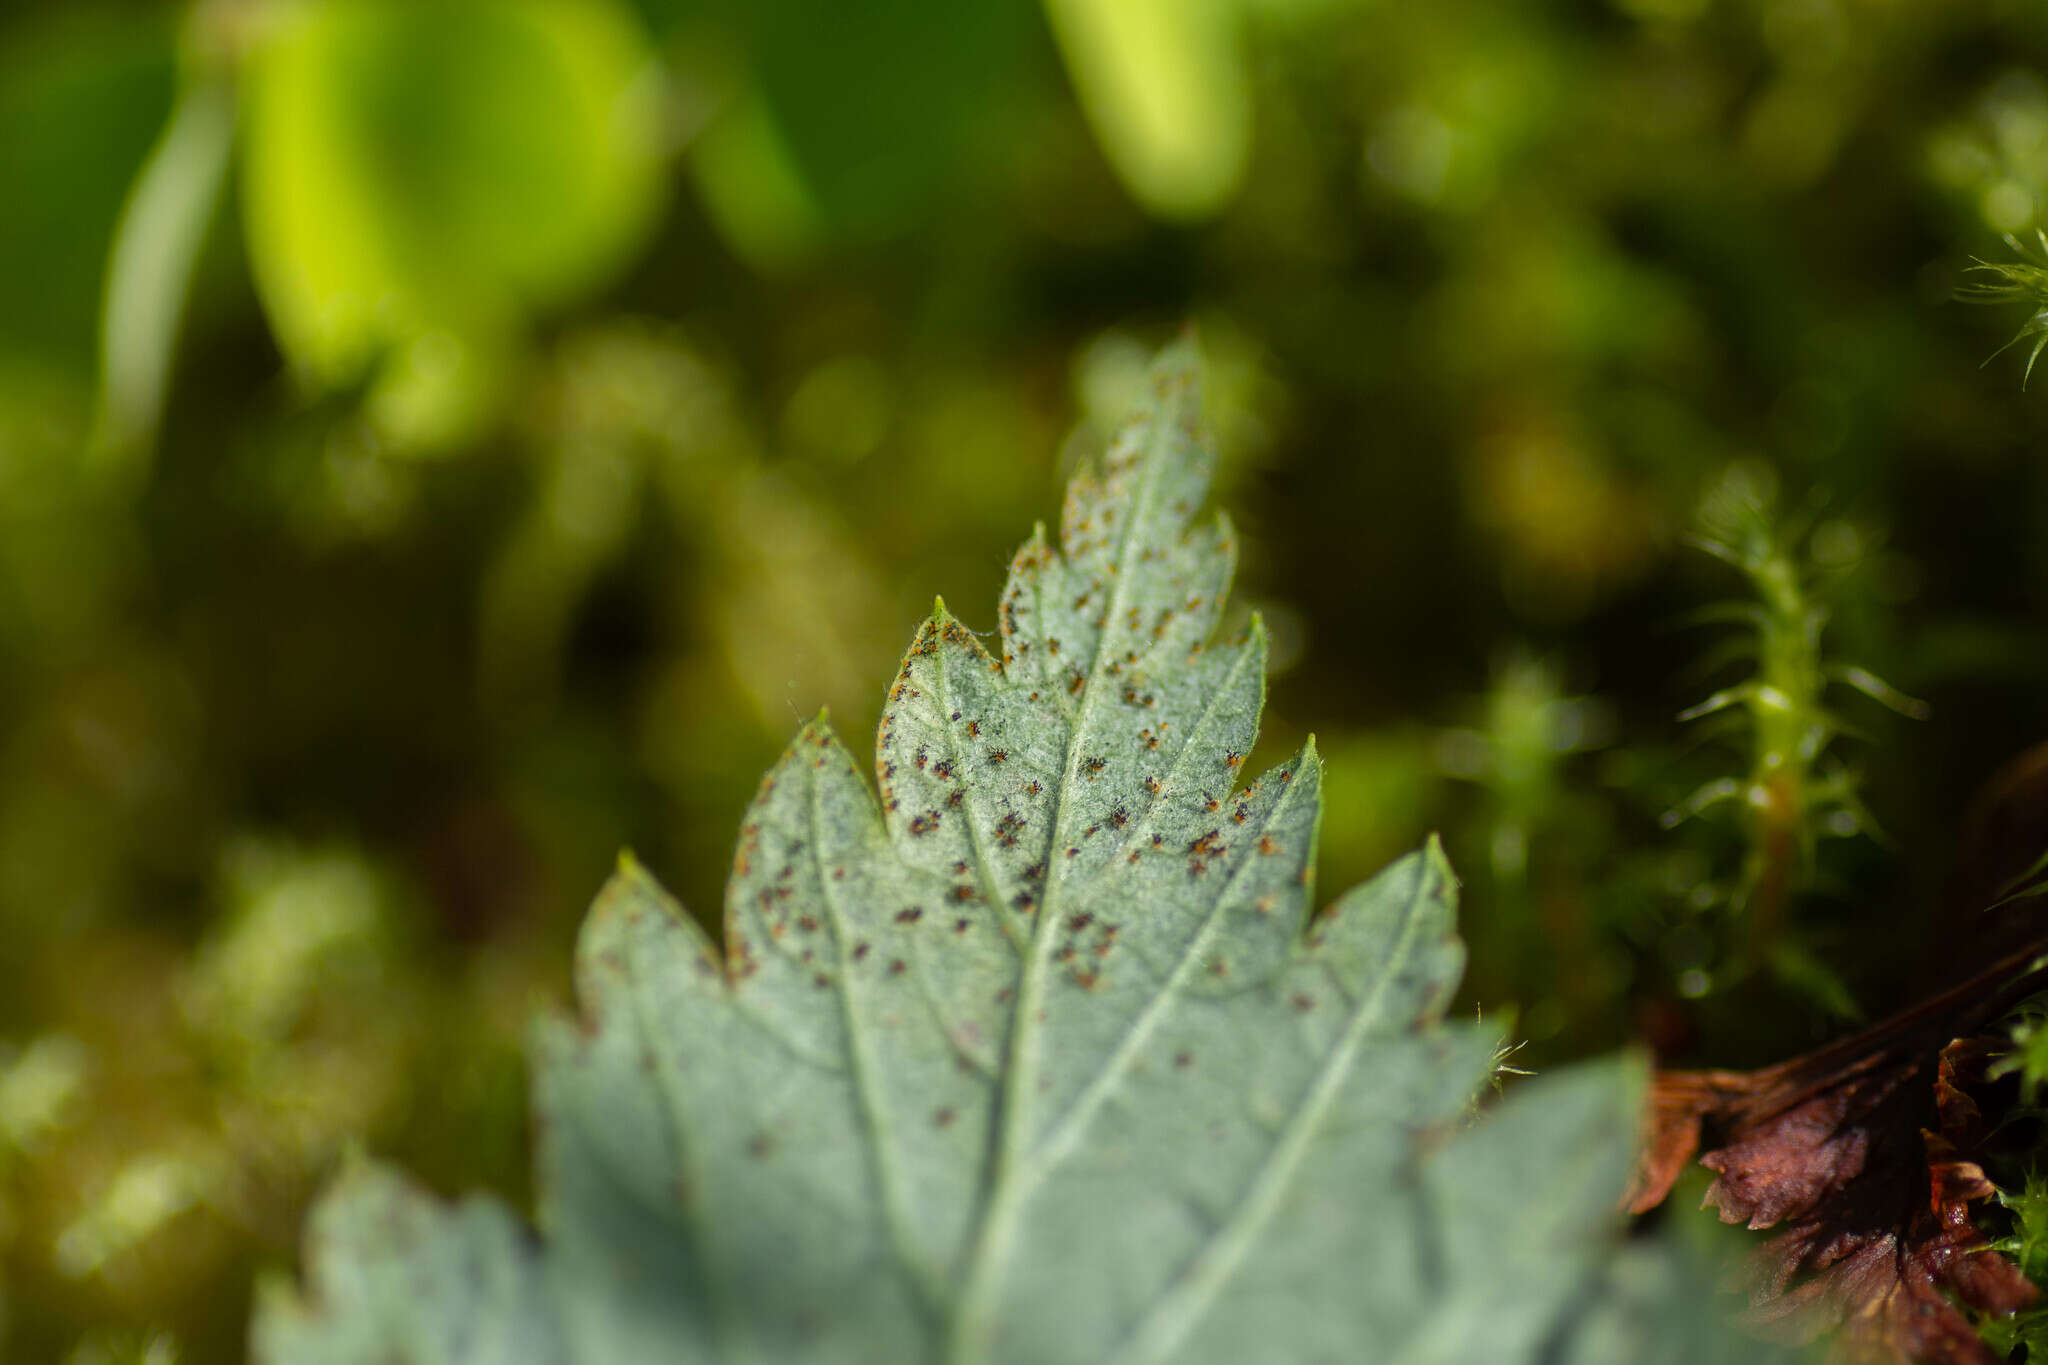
point(1034, 1060)
point(150, 269)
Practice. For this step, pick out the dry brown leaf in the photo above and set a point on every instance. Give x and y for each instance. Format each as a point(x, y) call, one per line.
point(1862, 1156)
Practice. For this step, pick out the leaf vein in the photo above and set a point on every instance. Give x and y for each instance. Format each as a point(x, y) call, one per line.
point(1193, 1292)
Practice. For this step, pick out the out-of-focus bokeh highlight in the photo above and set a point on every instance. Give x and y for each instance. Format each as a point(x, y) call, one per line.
point(444, 443)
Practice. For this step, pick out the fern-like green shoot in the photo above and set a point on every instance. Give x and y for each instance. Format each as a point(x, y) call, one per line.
point(1795, 791)
point(2022, 281)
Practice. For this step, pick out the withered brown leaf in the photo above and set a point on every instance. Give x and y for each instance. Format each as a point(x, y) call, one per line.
point(1862, 1155)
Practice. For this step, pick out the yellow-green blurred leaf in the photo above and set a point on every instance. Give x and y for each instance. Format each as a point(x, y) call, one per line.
point(1163, 83)
point(420, 177)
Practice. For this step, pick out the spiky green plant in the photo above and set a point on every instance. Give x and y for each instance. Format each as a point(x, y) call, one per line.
point(2022, 281)
point(1795, 790)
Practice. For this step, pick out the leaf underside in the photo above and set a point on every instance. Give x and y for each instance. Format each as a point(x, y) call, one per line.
point(1037, 1058)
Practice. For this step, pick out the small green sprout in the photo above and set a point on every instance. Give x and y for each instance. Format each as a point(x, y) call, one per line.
point(2027, 1244)
point(2021, 281)
point(1528, 728)
point(1795, 791)
point(2027, 1026)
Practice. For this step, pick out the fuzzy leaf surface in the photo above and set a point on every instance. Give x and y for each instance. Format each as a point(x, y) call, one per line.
point(1039, 1057)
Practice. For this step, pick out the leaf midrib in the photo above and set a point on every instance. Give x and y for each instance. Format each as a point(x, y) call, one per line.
point(1005, 1201)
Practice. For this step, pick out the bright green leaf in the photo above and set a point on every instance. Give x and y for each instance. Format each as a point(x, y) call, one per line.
point(1036, 1060)
point(1164, 84)
point(420, 177)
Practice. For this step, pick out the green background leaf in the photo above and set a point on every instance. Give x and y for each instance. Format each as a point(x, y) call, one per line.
point(420, 177)
point(83, 92)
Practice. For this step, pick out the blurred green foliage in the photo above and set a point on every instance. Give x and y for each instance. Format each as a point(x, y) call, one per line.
point(441, 443)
